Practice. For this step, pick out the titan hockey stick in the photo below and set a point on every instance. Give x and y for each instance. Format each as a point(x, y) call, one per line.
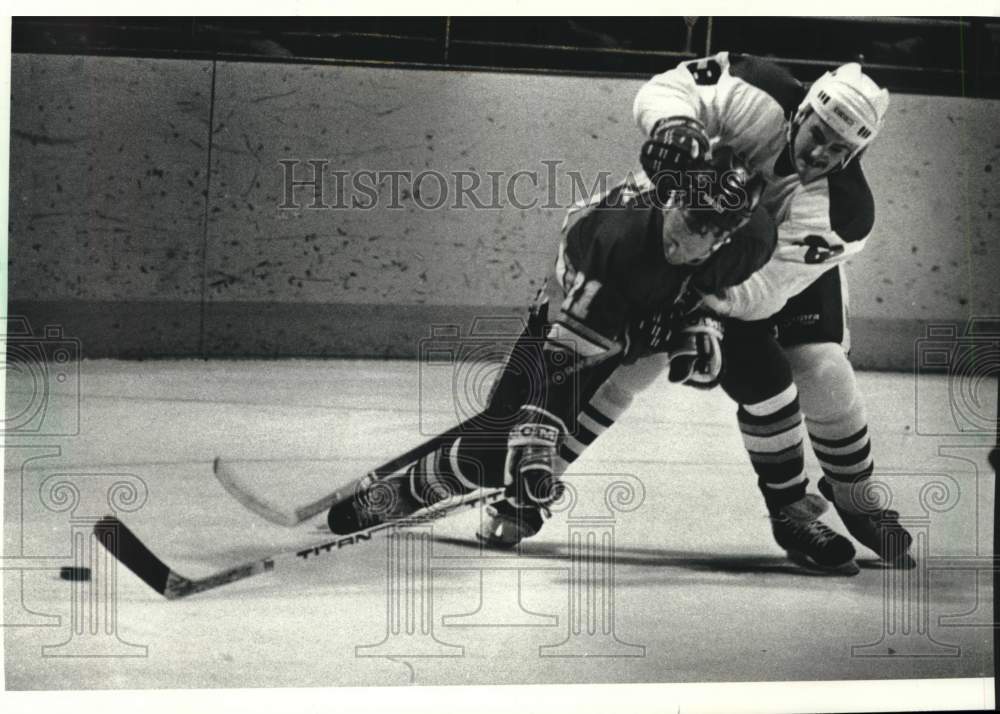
point(131, 552)
point(226, 475)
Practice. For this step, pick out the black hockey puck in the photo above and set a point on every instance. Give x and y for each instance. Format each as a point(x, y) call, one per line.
point(68, 573)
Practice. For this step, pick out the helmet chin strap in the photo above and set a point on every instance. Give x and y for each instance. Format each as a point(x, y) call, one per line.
point(793, 130)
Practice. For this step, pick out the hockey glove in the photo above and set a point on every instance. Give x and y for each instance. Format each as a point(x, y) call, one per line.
point(652, 332)
point(645, 336)
point(675, 145)
point(530, 472)
point(696, 352)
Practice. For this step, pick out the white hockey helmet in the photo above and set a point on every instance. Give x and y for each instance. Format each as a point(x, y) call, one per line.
point(850, 102)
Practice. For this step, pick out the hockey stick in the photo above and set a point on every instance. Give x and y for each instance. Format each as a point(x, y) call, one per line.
point(273, 513)
point(226, 476)
point(122, 543)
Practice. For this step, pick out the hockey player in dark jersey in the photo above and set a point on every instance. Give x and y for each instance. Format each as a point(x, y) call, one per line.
point(808, 144)
point(629, 273)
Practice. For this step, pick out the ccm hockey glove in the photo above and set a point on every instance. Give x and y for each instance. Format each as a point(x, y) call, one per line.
point(530, 471)
point(675, 145)
point(695, 351)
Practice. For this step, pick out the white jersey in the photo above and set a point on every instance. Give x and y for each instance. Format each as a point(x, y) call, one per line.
point(734, 99)
point(809, 244)
point(746, 103)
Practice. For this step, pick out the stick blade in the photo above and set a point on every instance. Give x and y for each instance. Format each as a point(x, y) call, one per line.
point(130, 552)
point(226, 476)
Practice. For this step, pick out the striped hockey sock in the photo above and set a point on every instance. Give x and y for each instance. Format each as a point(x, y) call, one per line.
point(772, 436)
point(843, 448)
point(606, 406)
point(443, 474)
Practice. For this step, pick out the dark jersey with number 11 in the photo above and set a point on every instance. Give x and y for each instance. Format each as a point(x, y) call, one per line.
point(612, 271)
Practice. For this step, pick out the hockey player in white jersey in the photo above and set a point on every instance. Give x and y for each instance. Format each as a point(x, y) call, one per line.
point(807, 144)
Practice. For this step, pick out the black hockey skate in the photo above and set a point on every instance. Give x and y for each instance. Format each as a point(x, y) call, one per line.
point(878, 530)
point(507, 525)
point(809, 542)
point(388, 499)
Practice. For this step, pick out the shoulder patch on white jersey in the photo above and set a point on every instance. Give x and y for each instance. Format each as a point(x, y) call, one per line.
point(852, 206)
point(777, 81)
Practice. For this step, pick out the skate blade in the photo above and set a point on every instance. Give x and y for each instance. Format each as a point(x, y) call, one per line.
point(496, 543)
point(847, 568)
point(902, 562)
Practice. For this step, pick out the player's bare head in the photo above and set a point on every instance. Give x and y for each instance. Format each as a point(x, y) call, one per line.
point(841, 115)
point(718, 199)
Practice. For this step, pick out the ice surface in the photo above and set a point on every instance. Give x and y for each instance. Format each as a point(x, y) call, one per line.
point(687, 586)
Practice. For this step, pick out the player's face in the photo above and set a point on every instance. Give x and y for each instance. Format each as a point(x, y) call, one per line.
point(818, 149)
point(686, 240)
